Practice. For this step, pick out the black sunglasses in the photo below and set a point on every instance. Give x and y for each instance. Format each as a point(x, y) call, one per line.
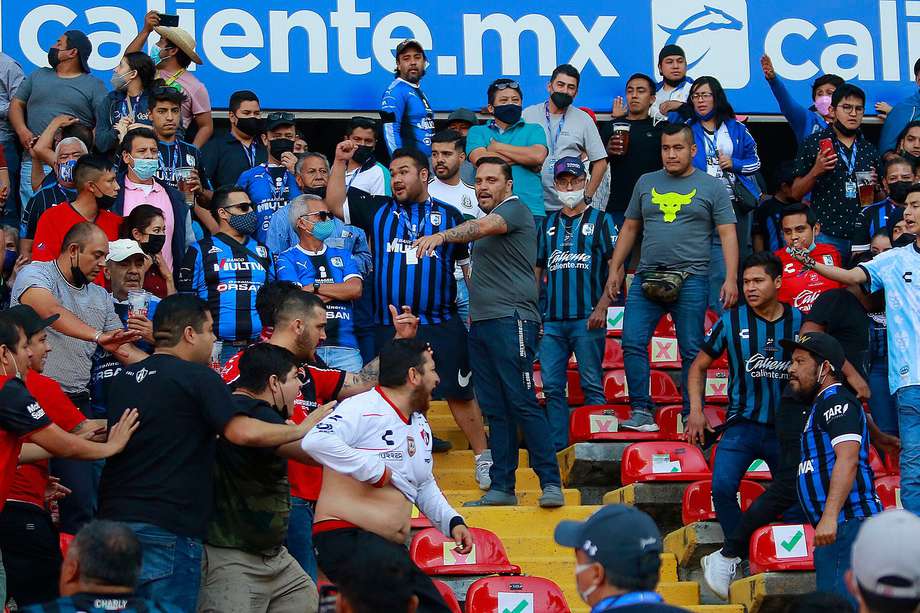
point(323, 215)
point(507, 85)
point(281, 116)
point(243, 206)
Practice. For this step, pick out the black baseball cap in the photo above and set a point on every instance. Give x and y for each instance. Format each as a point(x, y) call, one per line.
point(80, 41)
point(406, 44)
point(622, 539)
point(277, 119)
point(30, 321)
point(821, 345)
point(669, 50)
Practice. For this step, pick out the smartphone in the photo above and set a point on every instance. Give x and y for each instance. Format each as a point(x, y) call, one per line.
point(169, 21)
point(328, 598)
point(827, 147)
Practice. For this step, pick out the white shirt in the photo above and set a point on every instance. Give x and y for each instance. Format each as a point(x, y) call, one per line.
point(679, 94)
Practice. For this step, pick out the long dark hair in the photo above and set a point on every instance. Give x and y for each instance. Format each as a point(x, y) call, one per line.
point(138, 219)
point(723, 109)
point(146, 71)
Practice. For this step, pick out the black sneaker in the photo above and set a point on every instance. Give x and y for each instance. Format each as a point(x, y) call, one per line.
point(439, 445)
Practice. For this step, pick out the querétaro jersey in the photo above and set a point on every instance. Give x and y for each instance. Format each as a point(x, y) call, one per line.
point(836, 417)
point(758, 366)
point(227, 274)
point(103, 603)
point(45, 198)
point(872, 220)
point(801, 287)
point(179, 154)
point(408, 121)
point(329, 265)
point(425, 284)
point(20, 415)
point(269, 188)
point(573, 252)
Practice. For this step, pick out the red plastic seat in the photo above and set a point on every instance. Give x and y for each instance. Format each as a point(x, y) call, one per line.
point(876, 463)
point(893, 463)
point(492, 594)
point(698, 506)
point(889, 491)
point(600, 422)
point(615, 389)
point(613, 354)
point(663, 352)
point(573, 391)
point(711, 318)
point(760, 472)
point(434, 554)
point(418, 521)
point(448, 595)
point(615, 315)
point(663, 389)
point(665, 327)
point(538, 385)
point(663, 461)
point(715, 415)
point(716, 390)
point(782, 547)
point(64, 540)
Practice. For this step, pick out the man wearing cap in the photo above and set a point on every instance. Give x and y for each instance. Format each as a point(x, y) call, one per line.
point(617, 559)
point(172, 55)
point(460, 121)
point(674, 87)
point(65, 88)
point(573, 249)
point(885, 573)
point(835, 483)
point(408, 121)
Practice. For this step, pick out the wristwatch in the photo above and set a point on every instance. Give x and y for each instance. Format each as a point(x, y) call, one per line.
point(316, 288)
point(588, 199)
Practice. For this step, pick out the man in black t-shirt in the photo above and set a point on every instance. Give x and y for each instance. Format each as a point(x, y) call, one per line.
point(162, 484)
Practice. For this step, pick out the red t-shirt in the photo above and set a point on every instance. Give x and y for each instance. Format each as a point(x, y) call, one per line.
point(57, 221)
point(802, 287)
point(31, 479)
point(20, 416)
point(318, 386)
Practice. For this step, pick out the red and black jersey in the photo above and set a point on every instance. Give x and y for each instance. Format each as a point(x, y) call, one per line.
point(20, 416)
point(802, 287)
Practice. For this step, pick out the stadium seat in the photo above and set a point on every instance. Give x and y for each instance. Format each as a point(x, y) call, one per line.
point(538, 385)
point(65, 540)
point(613, 354)
point(615, 320)
point(601, 422)
point(663, 352)
point(448, 595)
point(711, 318)
point(663, 389)
point(665, 327)
point(716, 386)
point(663, 461)
point(782, 547)
point(876, 463)
point(757, 471)
point(893, 463)
point(615, 389)
point(501, 594)
point(698, 506)
point(434, 554)
point(889, 491)
point(573, 391)
point(715, 415)
point(418, 521)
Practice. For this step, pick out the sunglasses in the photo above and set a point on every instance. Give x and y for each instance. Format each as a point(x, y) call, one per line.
point(281, 116)
point(243, 206)
point(323, 215)
point(507, 85)
point(164, 90)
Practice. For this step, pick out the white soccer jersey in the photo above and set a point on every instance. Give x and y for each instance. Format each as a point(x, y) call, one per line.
point(366, 435)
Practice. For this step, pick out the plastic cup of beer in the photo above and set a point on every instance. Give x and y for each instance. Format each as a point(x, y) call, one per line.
point(183, 174)
point(216, 350)
point(621, 136)
point(138, 301)
point(866, 188)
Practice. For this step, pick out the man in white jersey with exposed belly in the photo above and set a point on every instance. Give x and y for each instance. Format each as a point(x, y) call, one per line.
point(376, 454)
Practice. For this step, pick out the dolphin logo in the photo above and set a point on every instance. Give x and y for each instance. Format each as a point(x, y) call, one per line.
point(710, 18)
point(671, 203)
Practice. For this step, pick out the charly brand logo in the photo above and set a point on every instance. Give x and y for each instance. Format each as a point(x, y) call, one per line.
point(713, 34)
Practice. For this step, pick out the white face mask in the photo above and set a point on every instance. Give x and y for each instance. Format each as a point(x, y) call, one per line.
point(571, 199)
point(15, 365)
point(580, 568)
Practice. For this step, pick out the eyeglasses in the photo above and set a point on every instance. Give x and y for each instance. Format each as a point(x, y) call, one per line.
point(852, 109)
point(323, 215)
point(243, 206)
point(281, 116)
point(702, 96)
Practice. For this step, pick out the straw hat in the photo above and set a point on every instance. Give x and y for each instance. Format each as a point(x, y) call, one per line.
point(181, 39)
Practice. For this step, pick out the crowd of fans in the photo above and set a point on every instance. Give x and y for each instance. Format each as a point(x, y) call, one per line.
point(188, 306)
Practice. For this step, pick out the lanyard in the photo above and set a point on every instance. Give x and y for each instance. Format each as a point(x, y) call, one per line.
point(615, 602)
point(170, 80)
point(851, 163)
point(711, 149)
point(352, 180)
point(250, 153)
point(277, 191)
point(549, 127)
point(406, 221)
point(173, 156)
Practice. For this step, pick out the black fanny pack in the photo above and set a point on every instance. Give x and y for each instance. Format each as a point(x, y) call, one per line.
point(663, 285)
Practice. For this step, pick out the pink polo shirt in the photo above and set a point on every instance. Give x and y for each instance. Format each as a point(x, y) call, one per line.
point(196, 101)
point(137, 194)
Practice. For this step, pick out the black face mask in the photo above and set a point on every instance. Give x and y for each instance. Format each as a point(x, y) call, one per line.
point(80, 279)
point(105, 202)
point(362, 154)
point(507, 113)
point(53, 58)
point(845, 130)
point(154, 244)
point(279, 146)
point(250, 126)
point(897, 190)
point(315, 191)
point(913, 159)
point(561, 99)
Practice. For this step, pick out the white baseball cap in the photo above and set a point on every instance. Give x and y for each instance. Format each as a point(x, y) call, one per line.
point(122, 249)
point(886, 555)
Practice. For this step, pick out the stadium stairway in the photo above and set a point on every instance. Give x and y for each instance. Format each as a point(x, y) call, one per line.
point(527, 530)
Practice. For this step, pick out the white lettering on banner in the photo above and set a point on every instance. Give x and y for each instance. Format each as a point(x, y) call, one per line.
point(589, 43)
point(475, 26)
point(861, 48)
point(214, 41)
point(383, 42)
point(280, 24)
point(759, 365)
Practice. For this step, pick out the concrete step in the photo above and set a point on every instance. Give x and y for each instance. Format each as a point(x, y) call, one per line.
point(524, 521)
point(691, 543)
point(465, 479)
point(528, 497)
point(464, 459)
point(591, 464)
point(770, 592)
point(456, 437)
point(661, 500)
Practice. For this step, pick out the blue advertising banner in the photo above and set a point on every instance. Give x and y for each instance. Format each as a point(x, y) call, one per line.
point(337, 55)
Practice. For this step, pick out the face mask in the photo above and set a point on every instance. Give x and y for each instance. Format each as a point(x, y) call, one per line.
point(580, 568)
point(808, 250)
point(154, 244)
point(845, 130)
point(65, 171)
point(316, 191)
point(80, 279)
point(705, 117)
point(155, 56)
point(283, 409)
point(279, 146)
point(561, 99)
point(53, 58)
point(897, 190)
point(571, 199)
point(145, 169)
point(18, 374)
point(362, 154)
point(507, 113)
point(913, 159)
point(823, 105)
point(120, 81)
point(9, 260)
point(323, 229)
point(250, 126)
point(245, 224)
point(105, 201)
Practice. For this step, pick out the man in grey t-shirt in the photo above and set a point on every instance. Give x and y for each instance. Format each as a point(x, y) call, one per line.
point(676, 210)
point(503, 333)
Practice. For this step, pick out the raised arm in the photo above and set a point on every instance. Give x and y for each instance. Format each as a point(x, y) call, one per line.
point(151, 20)
point(853, 276)
point(336, 193)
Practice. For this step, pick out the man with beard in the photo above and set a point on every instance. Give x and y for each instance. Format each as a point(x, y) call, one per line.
point(897, 178)
point(408, 120)
point(368, 491)
point(835, 483)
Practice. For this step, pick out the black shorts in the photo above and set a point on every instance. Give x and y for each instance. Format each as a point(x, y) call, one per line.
point(448, 340)
point(354, 548)
point(31, 553)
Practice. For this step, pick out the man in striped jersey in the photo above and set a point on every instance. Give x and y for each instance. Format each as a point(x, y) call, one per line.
point(573, 248)
point(897, 177)
point(835, 484)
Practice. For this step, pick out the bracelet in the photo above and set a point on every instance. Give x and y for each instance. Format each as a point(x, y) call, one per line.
point(97, 337)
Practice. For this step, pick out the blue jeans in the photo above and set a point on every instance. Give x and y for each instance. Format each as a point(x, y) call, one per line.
point(833, 561)
point(502, 355)
point(560, 339)
point(882, 403)
point(716, 276)
point(171, 567)
point(840, 244)
point(25, 178)
point(640, 321)
point(343, 358)
point(463, 303)
point(742, 443)
point(300, 534)
point(12, 211)
point(909, 427)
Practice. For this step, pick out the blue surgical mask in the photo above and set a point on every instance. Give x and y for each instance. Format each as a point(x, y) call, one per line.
point(9, 260)
point(323, 229)
point(145, 169)
point(809, 250)
point(155, 56)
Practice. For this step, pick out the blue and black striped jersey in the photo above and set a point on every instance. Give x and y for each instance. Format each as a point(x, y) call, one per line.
point(573, 252)
point(836, 417)
point(102, 603)
point(872, 220)
point(227, 274)
point(757, 364)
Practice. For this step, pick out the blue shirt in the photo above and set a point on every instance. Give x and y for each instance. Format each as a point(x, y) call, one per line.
point(281, 237)
point(408, 121)
point(269, 188)
point(873, 219)
point(325, 266)
point(227, 275)
point(103, 603)
point(45, 198)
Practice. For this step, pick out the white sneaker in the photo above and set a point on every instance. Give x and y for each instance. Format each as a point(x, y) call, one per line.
point(483, 464)
point(718, 572)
